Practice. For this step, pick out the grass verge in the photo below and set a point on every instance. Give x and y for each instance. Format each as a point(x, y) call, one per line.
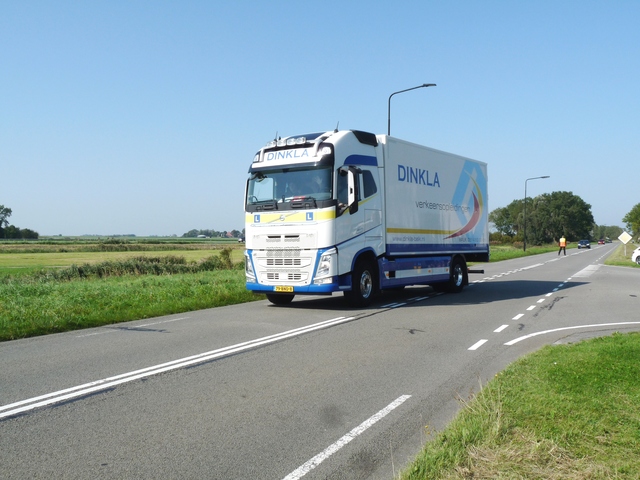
point(508, 252)
point(95, 294)
point(620, 258)
point(49, 306)
point(564, 412)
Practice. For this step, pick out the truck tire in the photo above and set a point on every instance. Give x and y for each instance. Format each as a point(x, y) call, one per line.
point(457, 279)
point(362, 285)
point(280, 299)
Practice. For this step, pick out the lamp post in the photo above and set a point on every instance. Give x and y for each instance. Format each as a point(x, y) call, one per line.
point(401, 91)
point(525, 208)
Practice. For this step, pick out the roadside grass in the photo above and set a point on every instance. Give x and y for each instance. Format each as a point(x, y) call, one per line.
point(134, 286)
point(39, 307)
point(563, 412)
point(619, 258)
point(508, 252)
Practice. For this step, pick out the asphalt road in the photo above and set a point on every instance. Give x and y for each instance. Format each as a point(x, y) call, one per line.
point(313, 390)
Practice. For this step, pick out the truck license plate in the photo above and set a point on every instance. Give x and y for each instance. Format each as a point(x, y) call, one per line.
point(282, 288)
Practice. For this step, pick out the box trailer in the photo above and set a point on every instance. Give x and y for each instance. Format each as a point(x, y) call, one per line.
point(355, 212)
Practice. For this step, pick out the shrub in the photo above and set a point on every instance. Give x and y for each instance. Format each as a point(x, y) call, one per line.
point(141, 265)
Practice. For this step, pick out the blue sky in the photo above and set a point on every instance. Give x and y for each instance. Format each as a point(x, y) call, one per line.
point(141, 117)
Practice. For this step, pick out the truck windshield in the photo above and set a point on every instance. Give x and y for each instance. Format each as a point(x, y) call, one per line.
point(289, 185)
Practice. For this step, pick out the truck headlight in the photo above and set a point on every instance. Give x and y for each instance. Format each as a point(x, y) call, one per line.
point(325, 266)
point(248, 269)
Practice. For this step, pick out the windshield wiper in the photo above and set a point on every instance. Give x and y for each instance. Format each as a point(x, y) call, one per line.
point(266, 205)
point(303, 202)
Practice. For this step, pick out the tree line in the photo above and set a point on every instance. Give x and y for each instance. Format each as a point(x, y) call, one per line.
point(11, 231)
point(552, 215)
point(213, 234)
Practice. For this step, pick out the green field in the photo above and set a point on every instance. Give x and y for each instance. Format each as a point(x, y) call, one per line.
point(19, 263)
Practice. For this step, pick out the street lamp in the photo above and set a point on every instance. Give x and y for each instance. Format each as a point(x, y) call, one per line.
point(525, 208)
point(401, 91)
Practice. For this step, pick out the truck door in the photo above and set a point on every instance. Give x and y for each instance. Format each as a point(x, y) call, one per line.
point(358, 214)
point(349, 220)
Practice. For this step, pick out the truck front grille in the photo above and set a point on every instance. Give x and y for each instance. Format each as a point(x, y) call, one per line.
point(289, 277)
point(283, 262)
point(284, 266)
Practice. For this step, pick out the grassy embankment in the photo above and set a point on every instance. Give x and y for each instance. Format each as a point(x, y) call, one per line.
point(47, 288)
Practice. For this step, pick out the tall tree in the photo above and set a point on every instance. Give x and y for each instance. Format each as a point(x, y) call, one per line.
point(562, 213)
point(632, 220)
point(502, 221)
point(5, 213)
point(508, 220)
point(549, 216)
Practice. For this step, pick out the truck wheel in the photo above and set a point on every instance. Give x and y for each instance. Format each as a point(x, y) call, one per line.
point(362, 286)
point(279, 299)
point(457, 276)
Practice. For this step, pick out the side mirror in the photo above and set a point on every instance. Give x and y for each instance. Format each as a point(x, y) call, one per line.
point(352, 196)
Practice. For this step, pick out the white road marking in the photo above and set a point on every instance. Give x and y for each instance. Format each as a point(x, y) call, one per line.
point(525, 337)
point(499, 329)
point(393, 305)
point(321, 457)
point(477, 345)
point(532, 266)
point(588, 271)
point(532, 307)
point(105, 383)
point(518, 316)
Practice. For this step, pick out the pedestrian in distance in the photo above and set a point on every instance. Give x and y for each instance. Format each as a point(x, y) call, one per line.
point(563, 246)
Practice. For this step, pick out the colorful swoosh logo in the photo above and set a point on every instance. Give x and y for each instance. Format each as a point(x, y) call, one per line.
point(473, 221)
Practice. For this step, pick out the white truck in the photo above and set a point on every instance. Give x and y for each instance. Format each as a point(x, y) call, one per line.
point(355, 212)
